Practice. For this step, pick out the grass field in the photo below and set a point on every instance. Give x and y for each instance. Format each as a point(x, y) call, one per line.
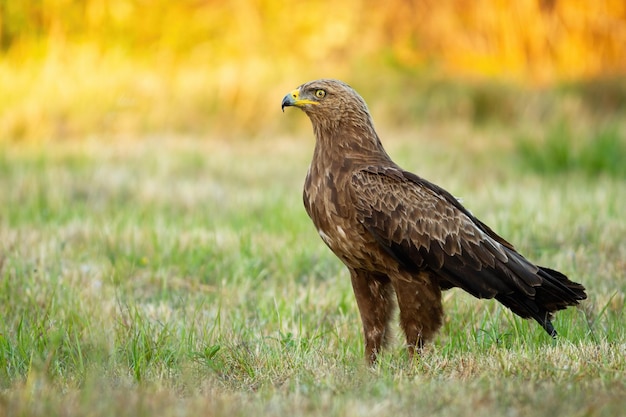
point(181, 277)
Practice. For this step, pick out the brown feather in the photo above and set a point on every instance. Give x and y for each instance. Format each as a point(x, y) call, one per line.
point(398, 233)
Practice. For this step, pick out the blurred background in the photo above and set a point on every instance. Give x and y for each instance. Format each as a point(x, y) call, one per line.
point(71, 69)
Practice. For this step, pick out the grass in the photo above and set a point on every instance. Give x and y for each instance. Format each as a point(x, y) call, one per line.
point(182, 277)
point(597, 153)
point(74, 93)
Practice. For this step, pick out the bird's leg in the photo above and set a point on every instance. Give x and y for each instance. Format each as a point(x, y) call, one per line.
point(374, 297)
point(414, 347)
point(421, 311)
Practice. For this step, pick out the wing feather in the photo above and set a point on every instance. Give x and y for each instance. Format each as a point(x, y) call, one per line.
point(423, 226)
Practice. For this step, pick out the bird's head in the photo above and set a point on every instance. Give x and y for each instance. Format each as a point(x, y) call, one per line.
point(328, 101)
point(339, 116)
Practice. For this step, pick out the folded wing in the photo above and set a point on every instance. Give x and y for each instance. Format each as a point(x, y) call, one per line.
point(424, 227)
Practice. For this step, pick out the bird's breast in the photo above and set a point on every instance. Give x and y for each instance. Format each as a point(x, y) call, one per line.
point(330, 209)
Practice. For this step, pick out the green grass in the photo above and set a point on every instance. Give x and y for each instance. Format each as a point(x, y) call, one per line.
point(182, 277)
point(600, 152)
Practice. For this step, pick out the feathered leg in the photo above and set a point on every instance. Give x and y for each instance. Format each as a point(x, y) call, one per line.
point(374, 297)
point(421, 311)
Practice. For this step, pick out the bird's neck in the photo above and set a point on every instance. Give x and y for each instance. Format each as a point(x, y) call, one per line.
point(349, 140)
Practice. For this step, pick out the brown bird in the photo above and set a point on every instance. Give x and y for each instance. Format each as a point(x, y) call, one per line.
point(400, 234)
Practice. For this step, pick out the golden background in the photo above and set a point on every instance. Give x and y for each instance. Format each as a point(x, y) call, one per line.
point(71, 68)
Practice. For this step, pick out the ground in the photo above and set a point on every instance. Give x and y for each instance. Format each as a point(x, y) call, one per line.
point(182, 276)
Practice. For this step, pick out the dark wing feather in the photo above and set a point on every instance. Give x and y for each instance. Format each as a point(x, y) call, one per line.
point(424, 227)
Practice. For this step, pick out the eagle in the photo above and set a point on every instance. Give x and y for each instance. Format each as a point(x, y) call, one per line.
point(404, 239)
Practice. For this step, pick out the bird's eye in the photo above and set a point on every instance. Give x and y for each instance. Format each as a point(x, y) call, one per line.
point(320, 93)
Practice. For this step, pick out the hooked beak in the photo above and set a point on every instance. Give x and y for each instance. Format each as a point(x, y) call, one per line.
point(293, 99)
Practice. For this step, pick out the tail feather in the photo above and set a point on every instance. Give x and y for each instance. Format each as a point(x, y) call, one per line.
point(555, 292)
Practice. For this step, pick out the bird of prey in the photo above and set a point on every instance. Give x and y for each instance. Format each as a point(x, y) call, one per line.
point(405, 239)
